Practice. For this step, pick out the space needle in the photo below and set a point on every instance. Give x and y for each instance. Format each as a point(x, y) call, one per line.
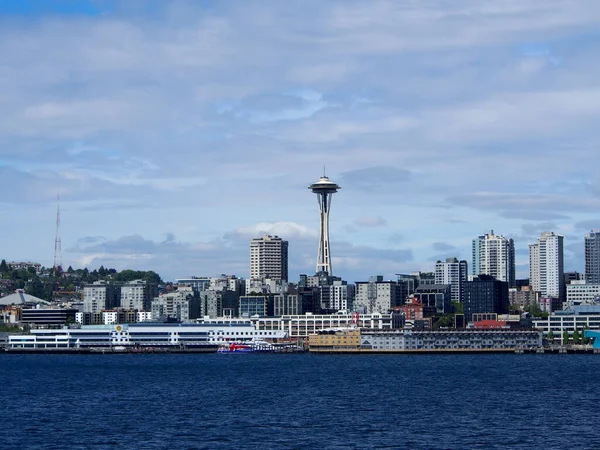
point(324, 190)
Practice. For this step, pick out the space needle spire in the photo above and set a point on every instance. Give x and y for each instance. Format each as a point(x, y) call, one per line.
point(57, 269)
point(324, 188)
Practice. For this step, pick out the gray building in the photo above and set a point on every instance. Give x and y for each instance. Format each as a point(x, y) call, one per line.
point(138, 294)
point(287, 304)
point(437, 295)
point(376, 295)
point(592, 256)
point(181, 304)
point(99, 296)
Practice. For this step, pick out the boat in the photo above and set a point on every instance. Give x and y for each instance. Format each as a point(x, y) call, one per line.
point(235, 347)
point(253, 346)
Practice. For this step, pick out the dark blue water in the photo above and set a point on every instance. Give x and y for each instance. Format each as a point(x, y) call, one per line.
point(299, 401)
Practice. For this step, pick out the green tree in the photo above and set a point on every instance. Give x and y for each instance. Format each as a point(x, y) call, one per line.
point(585, 340)
point(3, 267)
point(458, 307)
point(565, 337)
point(550, 336)
point(576, 336)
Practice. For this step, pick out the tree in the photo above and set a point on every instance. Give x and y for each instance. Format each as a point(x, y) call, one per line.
point(576, 336)
point(550, 336)
point(565, 337)
point(3, 267)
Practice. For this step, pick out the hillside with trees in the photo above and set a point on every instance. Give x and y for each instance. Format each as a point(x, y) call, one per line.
point(45, 283)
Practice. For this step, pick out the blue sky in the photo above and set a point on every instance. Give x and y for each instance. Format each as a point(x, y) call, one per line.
point(177, 131)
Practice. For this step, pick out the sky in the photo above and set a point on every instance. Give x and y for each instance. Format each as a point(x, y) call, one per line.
point(177, 131)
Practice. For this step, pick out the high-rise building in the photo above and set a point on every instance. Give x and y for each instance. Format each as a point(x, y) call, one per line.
point(454, 273)
point(324, 190)
point(485, 294)
point(269, 258)
point(138, 294)
point(99, 296)
point(592, 256)
point(495, 256)
point(546, 267)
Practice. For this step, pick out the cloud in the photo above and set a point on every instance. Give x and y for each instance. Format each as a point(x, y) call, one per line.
point(209, 123)
point(443, 246)
point(372, 178)
point(588, 224)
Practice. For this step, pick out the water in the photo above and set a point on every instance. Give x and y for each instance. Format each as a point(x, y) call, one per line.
point(299, 401)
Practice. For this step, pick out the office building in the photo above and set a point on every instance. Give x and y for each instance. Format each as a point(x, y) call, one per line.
point(181, 304)
point(485, 294)
point(592, 256)
point(455, 273)
point(269, 258)
point(494, 255)
point(546, 267)
point(138, 295)
point(376, 295)
point(99, 296)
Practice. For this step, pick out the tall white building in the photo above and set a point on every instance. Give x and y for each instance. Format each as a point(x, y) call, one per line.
point(269, 258)
point(455, 273)
point(592, 256)
point(546, 267)
point(494, 255)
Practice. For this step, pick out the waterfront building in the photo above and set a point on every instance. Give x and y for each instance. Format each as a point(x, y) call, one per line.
point(592, 256)
point(483, 339)
point(494, 255)
point(376, 295)
point(298, 326)
point(269, 258)
point(454, 273)
point(99, 296)
point(144, 335)
point(546, 266)
point(485, 294)
point(138, 295)
point(324, 189)
point(182, 304)
point(582, 293)
point(577, 318)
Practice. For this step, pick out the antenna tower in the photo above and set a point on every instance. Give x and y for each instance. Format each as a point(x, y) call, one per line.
point(57, 243)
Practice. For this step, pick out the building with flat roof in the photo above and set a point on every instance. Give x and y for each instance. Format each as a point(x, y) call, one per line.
point(592, 256)
point(546, 266)
point(269, 258)
point(494, 255)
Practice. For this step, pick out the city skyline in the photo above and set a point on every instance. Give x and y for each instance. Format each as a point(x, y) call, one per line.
point(177, 133)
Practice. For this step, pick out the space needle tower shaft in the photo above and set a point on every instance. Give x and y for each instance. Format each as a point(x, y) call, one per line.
point(324, 189)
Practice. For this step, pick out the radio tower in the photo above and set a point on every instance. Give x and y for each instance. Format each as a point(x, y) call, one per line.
point(57, 269)
point(324, 190)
